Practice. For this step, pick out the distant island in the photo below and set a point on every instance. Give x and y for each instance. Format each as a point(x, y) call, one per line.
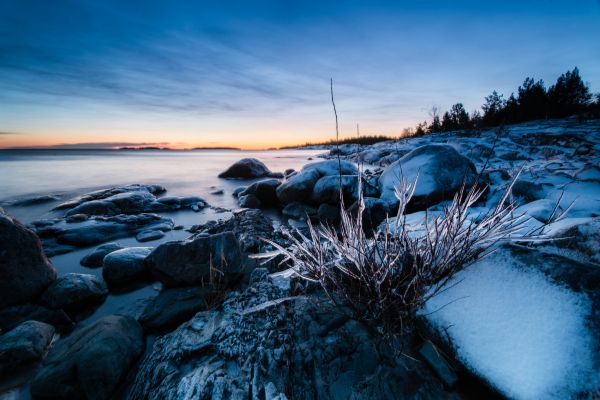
point(171, 149)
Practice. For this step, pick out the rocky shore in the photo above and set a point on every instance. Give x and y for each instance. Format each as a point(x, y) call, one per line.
point(521, 324)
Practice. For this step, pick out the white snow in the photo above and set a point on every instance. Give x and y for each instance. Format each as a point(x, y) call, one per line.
point(515, 328)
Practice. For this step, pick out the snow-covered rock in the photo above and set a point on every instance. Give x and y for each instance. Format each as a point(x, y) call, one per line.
point(441, 170)
point(524, 321)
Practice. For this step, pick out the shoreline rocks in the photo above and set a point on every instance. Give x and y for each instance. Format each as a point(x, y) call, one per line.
point(25, 271)
point(24, 345)
point(248, 168)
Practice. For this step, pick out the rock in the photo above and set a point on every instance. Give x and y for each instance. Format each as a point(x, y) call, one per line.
point(441, 170)
point(24, 345)
point(264, 191)
point(238, 190)
point(197, 261)
point(247, 168)
point(526, 191)
point(146, 236)
point(267, 343)
point(98, 229)
point(106, 193)
point(582, 239)
point(75, 292)
point(327, 189)
point(299, 211)
point(12, 316)
point(125, 266)
point(289, 172)
point(299, 187)
point(91, 362)
point(328, 213)
point(217, 192)
point(34, 201)
point(95, 257)
point(248, 226)
point(516, 293)
point(25, 272)
point(589, 173)
point(542, 210)
point(374, 213)
point(175, 306)
point(249, 201)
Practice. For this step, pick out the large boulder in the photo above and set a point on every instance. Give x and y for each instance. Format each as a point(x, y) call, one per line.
point(25, 272)
point(126, 266)
point(264, 191)
point(174, 306)
point(198, 261)
point(299, 187)
point(248, 168)
point(75, 292)
point(24, 345)
point(441, 171)
point(91, 362)
point(523, 321)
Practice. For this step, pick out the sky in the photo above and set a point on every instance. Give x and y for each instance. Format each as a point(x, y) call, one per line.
point(256, 73)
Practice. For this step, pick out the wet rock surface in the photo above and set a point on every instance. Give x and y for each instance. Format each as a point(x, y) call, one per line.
point(95, 258)
point(74, 293)
point(91, 362)
point(125, 266)
point(25, 272)
point(24, 345)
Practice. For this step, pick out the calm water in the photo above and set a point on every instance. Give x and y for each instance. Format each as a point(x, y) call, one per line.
point(67, 173)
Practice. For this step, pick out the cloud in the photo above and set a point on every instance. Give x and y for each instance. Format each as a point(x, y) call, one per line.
point(8, 133)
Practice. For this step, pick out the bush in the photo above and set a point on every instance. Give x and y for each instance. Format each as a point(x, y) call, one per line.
point(385, 278)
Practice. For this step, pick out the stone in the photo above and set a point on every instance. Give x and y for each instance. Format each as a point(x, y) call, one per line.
point(126, 266)
point(299, 211)
point(146, 236)
point(91, 362)
point(24, 345)
point(12, 316)
point(264, 191)
point(95, 257)
point(197, 261)
point(328, 213)
point(174, 306)
point(247, 168)
point(74, 293)
point(526, 191)
point(374, 213)
point(25, 272)
point(299, 187)
point(249, 201)
point(441, 172)
point(327, 189)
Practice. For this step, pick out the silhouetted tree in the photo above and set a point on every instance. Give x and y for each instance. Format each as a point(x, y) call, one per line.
point(456, 118)
point(421, 129)
point(533, 100)
point(493, 109)
point(476, 119)
point(510, 114)
point(436, 125)
point(569, 95)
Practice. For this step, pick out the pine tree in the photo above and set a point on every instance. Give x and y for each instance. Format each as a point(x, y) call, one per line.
point(569, 95)
point(493, 109)
point(533, 100)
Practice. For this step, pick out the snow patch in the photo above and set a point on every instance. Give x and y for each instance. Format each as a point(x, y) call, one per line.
point(516, 329)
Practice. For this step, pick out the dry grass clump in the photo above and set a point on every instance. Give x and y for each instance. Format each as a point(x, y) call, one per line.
point(384, 278)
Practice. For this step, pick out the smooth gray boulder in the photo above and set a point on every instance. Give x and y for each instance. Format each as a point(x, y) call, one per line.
point(95, 257)
point(441, 172)
point(91, 362)
point(75, 292)
point(126, 266)
point(249, 201)
point(175, 306)
point(299, 187)
point(247, 168)
point(149, 235)
point(198, 261)
point(24, 345)
point(327, 190)
point(299, 211)
point(25, 272)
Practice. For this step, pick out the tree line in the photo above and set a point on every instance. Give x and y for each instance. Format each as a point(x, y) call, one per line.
point(568, 96)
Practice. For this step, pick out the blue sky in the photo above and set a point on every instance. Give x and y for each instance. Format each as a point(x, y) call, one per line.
point(256, 73)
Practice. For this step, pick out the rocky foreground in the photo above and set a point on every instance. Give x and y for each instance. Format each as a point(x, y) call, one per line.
point(522, 323)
